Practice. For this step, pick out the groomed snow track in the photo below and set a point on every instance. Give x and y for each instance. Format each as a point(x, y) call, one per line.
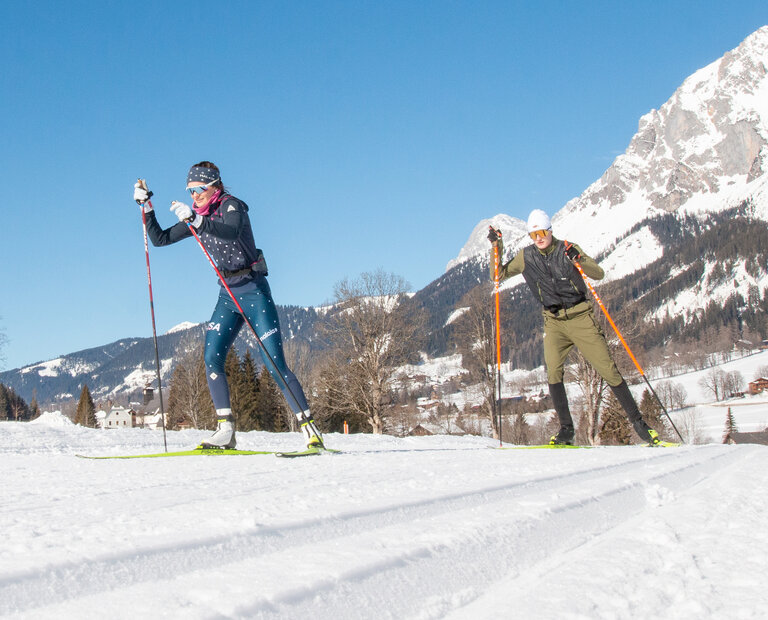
point(386, 543)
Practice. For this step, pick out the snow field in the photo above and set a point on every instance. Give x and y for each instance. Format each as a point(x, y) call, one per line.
point(427, 527)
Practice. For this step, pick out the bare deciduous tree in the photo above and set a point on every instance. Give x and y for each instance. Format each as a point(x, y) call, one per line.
point(673, 395)
point(368, 340)
point(189, 399)
point(733, 383)
point(475, 333)
point(298, 357)
point(689, 424)
point(592, 386)
point(714, 382)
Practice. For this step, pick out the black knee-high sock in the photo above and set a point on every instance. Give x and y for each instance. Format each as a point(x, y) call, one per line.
point(560, 402)
point(627, 402)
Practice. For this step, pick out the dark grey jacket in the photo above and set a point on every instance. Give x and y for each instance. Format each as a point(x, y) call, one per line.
point(227, 235)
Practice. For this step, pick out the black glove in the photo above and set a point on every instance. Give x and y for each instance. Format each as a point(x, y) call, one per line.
point(571, 252)
point(493, 234)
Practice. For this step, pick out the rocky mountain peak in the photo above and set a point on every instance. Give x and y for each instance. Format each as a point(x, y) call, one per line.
point(705, 149)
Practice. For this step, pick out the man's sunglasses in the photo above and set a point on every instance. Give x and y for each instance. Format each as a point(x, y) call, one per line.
point(199, 189)
point(538, 234)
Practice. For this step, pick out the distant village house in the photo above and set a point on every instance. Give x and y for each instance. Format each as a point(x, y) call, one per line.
point(116, 417)
point(757, 386)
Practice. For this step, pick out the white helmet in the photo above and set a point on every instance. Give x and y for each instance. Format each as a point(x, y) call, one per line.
point(538, 220)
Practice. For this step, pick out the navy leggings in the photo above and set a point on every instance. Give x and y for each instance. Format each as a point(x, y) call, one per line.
point(222, 330)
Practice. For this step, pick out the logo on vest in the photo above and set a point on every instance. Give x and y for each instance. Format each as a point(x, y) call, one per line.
point(214, 327)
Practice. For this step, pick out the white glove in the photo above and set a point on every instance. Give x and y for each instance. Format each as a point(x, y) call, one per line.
point(185, 213)
point(141, 196)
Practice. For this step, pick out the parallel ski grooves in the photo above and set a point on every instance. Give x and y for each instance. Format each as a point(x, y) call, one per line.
point(71, 581)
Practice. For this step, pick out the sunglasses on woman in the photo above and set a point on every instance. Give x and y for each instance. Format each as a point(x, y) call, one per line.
point(199, 189)
point(538, 234)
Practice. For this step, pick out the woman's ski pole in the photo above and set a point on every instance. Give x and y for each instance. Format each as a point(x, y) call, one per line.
point(152, 311)
point(623, 342)
point(496, 263)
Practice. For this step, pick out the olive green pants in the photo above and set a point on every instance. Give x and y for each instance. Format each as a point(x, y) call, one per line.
point(581, 330)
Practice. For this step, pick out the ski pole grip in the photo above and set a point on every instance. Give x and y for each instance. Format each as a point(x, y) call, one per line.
point(494, 234)
point(143, 185)
point(573, 255)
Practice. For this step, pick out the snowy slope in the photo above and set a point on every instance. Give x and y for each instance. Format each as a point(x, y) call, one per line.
point(422, 528)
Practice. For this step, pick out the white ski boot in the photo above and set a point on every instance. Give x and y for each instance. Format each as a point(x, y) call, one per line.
point(223, 438)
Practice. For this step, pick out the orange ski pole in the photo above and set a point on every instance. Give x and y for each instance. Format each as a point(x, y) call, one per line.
point(496, 264)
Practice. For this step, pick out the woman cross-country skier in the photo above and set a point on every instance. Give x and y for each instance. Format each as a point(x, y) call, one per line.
point(221, 221)
point(569, 319)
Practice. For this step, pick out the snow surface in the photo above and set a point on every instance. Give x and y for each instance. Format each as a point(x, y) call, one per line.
point(640, 248)
point(429, 527)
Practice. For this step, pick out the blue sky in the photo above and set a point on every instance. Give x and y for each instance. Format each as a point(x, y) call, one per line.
point(363, 135)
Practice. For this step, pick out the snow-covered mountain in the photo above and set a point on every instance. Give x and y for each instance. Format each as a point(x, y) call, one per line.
point(512, 229)
point(704, 150)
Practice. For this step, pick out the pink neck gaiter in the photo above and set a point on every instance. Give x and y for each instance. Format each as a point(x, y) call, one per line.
point(207, 207)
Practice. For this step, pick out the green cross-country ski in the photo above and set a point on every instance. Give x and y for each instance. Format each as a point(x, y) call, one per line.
point(545, 446)
point(215, 452)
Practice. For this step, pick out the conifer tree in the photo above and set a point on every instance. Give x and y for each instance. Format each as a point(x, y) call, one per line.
point(730, 425)
point(248, 414)
point(232, 370)
point(651, 411)
point(12, 406)
point(86, 410)
point(207, 412)
point(615, 429)
point(521, 429)
point(271, 407)
point(5, 408)
point(34, 409)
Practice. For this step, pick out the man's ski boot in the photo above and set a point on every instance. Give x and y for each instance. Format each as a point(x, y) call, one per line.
point(657, 442)
point(223, 438)
point(564, 437)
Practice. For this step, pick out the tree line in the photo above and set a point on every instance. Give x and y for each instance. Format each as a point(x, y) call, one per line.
point(14, 407)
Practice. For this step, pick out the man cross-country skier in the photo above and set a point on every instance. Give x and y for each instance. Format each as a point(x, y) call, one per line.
point(222, 223)
point(569, 319)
